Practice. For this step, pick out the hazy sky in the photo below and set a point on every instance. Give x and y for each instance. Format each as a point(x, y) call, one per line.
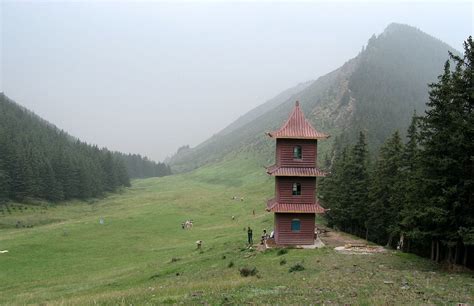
point(148, 77)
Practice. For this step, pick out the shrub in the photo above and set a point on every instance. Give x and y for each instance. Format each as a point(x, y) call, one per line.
point(297, 267)
point(223, 257)
point(282, 252)
point(283, 262)
point(175, 259)
point(230, 265)
point(244, 272)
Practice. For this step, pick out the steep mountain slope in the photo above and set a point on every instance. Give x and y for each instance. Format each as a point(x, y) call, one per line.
point(265, 107)
point(377, 92)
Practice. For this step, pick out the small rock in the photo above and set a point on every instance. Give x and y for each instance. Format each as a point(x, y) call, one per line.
point(387, 282)
point(405, 287)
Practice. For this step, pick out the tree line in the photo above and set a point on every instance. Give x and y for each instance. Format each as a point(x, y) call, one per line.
point(39, 161)
point(141, 167)
point(417, 194)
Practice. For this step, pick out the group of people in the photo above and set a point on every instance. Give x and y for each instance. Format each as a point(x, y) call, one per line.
point(265, 236)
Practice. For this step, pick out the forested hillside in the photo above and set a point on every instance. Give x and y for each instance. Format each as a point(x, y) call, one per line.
point(141, 167)
point(376, 92)
point(39, 161)
point(416, 194)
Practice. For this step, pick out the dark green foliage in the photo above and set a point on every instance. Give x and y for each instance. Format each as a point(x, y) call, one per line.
point(39, 161)
point(386, 192)
point(137, 166)
point(420, 193)
point(282, 262)
point(282, 252)
point(447, 138)
point(231, 264)
point(345, 191)
point(244, 272)
point(296, 268)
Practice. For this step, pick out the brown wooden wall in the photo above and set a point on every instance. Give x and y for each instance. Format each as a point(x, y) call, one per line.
point(284, 152)
point(283, 233)
point(284, 189)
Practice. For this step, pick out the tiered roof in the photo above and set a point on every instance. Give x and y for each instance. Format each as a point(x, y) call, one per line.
point(274, 206)
point(276, 170)
point(298, 127)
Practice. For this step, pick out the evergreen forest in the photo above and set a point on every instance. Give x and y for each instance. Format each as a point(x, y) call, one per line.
point(40, 161)
point(416, 194)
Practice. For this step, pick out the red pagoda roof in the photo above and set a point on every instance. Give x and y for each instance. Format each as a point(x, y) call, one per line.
point(274, 206)
point(283, 171)
point(297, 127)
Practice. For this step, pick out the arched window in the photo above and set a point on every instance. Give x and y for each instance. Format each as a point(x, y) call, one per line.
point(296, 189)
point(295, 225)
point(297, 154)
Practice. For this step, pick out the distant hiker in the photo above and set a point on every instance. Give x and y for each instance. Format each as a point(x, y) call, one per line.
point(241, 199)
point(254, 212)
point(249, 235)
point(198, 244)
point(264, 237)
point(182, 225)
point(233, 218)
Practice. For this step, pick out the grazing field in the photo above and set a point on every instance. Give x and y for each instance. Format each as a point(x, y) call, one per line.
point(142, 255)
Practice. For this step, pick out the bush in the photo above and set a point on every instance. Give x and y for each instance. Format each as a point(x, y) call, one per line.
point(175, 259)
point(297, 267)
point(283, 262)
point(230, 265)
point(282, 252)
point(244, 272)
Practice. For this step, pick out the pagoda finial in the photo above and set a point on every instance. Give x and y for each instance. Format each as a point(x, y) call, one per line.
point(297, 103)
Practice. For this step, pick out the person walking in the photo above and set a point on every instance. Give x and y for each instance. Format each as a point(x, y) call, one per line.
point(249, 235)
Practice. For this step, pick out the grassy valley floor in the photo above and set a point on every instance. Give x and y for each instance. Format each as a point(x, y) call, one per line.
point(141, 255)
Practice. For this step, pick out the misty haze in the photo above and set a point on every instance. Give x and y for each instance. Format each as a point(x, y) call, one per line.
point(236, 152)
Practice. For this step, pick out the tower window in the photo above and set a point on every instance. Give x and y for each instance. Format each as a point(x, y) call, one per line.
point(296, 189)
point(295, 225)
point(297, 152)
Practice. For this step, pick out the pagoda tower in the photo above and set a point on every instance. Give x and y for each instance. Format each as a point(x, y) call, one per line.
point(295, 171)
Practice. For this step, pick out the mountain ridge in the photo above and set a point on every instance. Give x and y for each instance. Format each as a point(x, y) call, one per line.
point(376, 92)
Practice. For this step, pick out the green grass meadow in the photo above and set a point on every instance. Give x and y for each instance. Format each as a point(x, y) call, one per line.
point(141, 255)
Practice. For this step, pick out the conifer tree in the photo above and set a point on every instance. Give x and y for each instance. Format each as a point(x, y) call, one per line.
point(357, 182)
point(447, 133)
point(386, 192)
point(412, 209)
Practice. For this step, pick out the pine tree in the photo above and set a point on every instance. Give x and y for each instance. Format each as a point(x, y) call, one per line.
point(330, 191)
point(447, 133)
point(357, 182)
point(412, 210)
point(345, 190)
point(4, 185)
point(386, 192)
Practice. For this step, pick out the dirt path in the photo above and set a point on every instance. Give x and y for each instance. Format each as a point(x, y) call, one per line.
point(333, 238)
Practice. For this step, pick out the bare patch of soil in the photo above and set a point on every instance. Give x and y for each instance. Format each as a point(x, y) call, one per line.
point(331, 237)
